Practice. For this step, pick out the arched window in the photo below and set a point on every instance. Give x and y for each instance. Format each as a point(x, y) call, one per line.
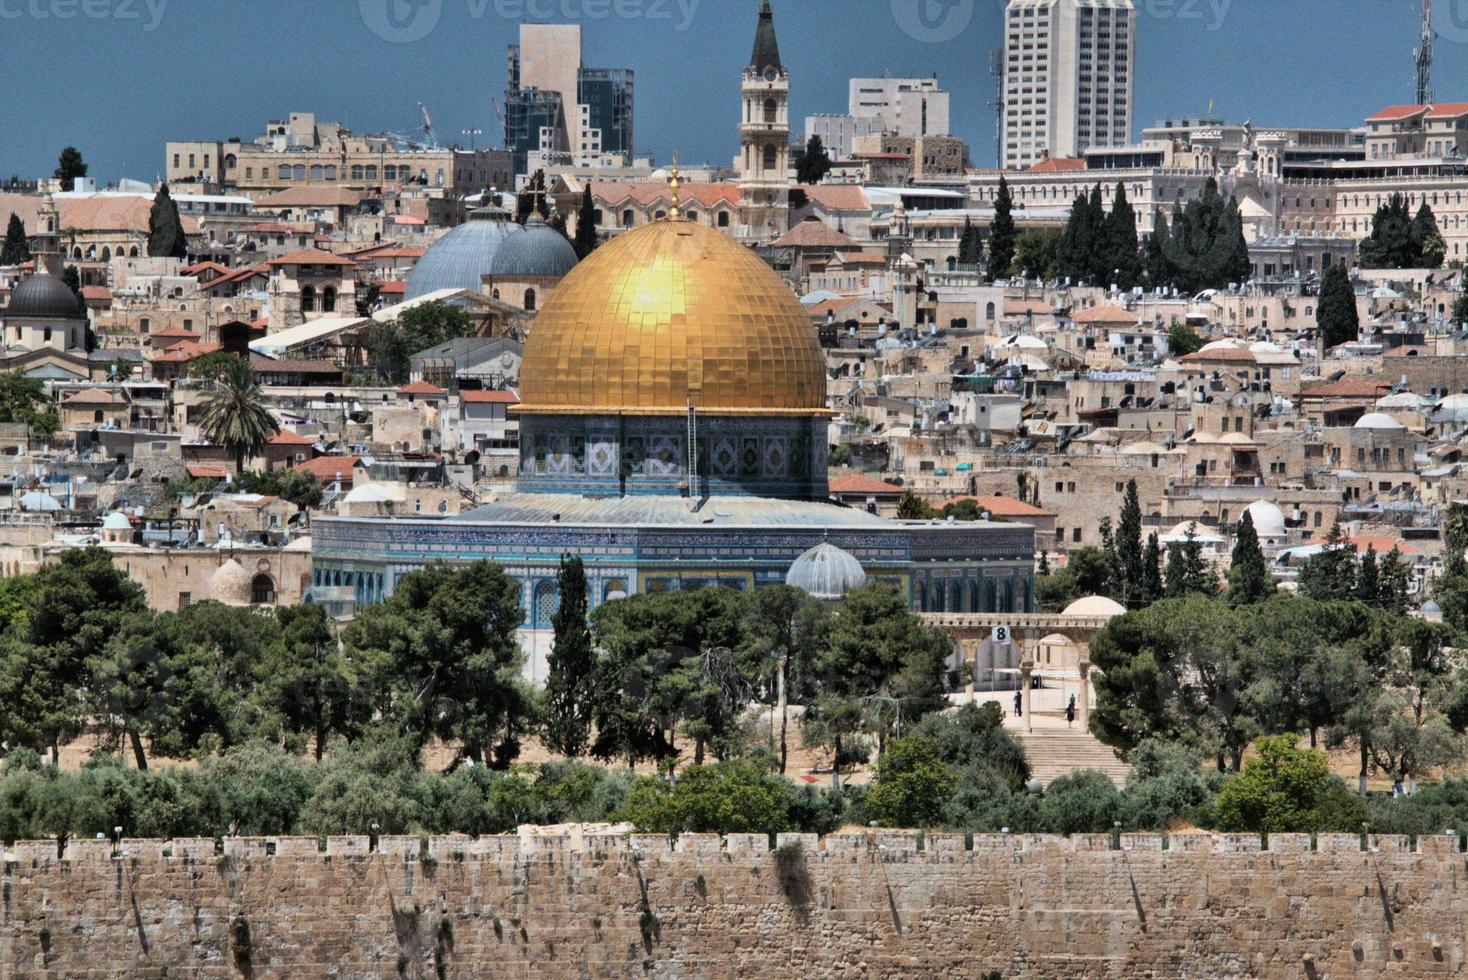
point(97, 416)
point(262, 590)
point(547, 601)
point(328, 299)
point(76, 253)
point(299, 172)
point(371, 171)
point(989, 311)
point(771, 158)
point(331, 171)
point(308, 299)
point(356, 171)
point(692, 215)
point(723, 219)
point(132, 253)
point(316, 171)
point(530, 300)
point(596, 216)
point(772, 111)
point(627, 218)
point(938, 604)
point(230, 161)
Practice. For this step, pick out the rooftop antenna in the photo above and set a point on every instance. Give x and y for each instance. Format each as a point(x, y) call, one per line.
point(996, 69)
point(1423, 57)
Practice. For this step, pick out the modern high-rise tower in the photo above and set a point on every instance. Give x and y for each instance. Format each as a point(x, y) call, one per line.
point(559, 112)
point(1069, 77)
point(764, 137)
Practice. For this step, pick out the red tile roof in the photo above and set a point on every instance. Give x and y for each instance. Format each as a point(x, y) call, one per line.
point(96, 293)
point(1348, 388)
point(1436, 110)
point(285, 437)
point(490, 397)
point(857, 483)
point(1241, 355)
point(327, 469)
point(311, 256)
point(207, 471)
point(1104, 314)
point(1058, 165)
point(183, 351)
point(174, 333)
point(647, 192)
point(421, 388)
point(815, 234)
point(838, 197)
point(95, 396)
point(1001, 506)
point(1397, 112)
point(393, 287)
point(312, 197)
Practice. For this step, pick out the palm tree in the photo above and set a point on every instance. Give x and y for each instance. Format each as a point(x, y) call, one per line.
point(235, 416)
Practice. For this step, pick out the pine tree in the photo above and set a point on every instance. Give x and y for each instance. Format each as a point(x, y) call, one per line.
point(69, 167)
point(1152, 570)
point(1188, 572)
point(568, 685)
point(586, 239)
point(1330, 575)
point(1043, 566)
point(1390, 244)
point(166, 238)
point(1129, 550)
point(1395, 578)
point(1121, 241)
point(911, 507)
point(813, 162)
point(17, 248)
point(1002, 235)
point(1336, 318)
point(1249, 580)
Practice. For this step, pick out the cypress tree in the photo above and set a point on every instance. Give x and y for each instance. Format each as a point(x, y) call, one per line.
point(1072, 255)
point(1002, 233)
point(969, 245)
point(1098, 258)
point(568, 692)
point(1121, 240)
point(1428, 247)
point(1235, 266)
point(1249, 580)
point(1152, 570)
point(1368, 578)
point(1158, 274)
point(166, 238)
point(1129, 549)
point(17, 248)
point(1336, 319)
point(586, 239)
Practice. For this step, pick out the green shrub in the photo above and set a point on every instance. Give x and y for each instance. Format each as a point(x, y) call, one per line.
point(728, 797)
point(1084, 802)
point(1286, 789)
point(913, 784)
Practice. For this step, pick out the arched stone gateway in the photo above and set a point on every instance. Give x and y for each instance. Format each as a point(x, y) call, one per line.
point(992, 667)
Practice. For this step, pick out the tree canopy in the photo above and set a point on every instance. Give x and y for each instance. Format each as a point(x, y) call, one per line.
point(166, 237)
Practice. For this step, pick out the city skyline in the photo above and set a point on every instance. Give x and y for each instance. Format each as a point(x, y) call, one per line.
point(372, 84)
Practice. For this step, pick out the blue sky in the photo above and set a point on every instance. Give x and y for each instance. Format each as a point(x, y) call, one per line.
point(119, 77)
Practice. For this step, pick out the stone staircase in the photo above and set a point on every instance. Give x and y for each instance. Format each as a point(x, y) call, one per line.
point(1059, 752)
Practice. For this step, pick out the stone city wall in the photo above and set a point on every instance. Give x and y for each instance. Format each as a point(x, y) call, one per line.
point(861, 905)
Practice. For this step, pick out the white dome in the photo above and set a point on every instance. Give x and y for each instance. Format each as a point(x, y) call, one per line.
point(826, 572)
point(1024, 341)
point(1269, 520)
point(1094, 605)
point(1180, 533)
point(1405, 399)
point(370, 493)
point(1378, 420)
point(1225, 344)
point(116, 521)
point(230, 584)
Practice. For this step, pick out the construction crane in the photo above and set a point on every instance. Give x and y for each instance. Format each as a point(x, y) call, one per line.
point(427, 127)
point(1422, 57)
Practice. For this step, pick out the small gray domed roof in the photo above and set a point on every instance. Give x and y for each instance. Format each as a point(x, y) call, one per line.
point(462, 258)
point(826, 572)
point(1431, 607)
point(540, 251)
point(44, 295)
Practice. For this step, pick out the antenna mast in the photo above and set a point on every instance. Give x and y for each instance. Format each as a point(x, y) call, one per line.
point(996, 69)
point(1423, 57)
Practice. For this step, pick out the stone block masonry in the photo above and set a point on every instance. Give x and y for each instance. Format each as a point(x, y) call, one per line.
point(879, 905)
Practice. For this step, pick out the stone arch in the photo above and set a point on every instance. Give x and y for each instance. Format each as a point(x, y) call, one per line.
point(262, 590)
point(546, 601)
point(955, 595)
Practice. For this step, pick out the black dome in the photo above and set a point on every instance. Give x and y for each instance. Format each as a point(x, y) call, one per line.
point(44, 295)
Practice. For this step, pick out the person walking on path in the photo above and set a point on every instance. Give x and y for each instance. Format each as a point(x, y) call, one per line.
point(1070, 712)
point(1019, 702)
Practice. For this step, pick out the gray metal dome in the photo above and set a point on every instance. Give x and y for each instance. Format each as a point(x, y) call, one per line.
point(540, 251)
point(826, 572)
point(460, 259)
point(44, 295)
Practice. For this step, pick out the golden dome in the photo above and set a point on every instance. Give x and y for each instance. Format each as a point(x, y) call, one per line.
point(670, 312)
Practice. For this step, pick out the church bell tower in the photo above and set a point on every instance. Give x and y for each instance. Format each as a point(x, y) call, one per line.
point(764, 138)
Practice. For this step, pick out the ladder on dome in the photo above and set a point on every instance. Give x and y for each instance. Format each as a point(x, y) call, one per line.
point(692, 452)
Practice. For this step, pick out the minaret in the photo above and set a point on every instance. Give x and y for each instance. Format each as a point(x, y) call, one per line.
point(764, 138)
point(46, 238)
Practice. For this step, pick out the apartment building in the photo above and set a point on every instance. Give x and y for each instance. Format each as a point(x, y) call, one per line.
point(1069, 77)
